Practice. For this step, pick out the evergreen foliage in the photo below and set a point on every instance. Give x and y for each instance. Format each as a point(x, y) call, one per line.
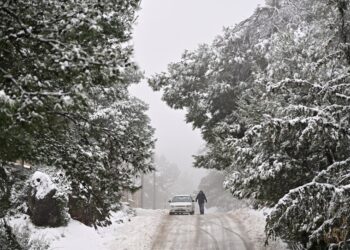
point(271, 97)
point(65, 67)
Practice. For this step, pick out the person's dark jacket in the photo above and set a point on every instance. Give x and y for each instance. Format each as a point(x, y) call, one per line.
point(201, 197)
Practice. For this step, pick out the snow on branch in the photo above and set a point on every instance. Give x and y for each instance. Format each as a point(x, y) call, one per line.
point(336, 174)
point(291, 83)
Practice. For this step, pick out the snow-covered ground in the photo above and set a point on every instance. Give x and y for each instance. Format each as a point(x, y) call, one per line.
point(135, 234)
point(126, 232)
point(253, 222)
point(74, 236)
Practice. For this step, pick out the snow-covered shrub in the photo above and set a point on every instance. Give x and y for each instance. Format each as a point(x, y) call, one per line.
point(12, 181)
point(14, 178)
point(8, 239)
point(23, 231)
point(31, 237)
point(4, 192)
point(47, 203)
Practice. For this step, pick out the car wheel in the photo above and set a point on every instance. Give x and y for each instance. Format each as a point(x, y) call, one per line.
point(192, 213)
point(171, 213)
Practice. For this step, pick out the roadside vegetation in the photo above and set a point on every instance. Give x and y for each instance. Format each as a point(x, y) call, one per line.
point(65, 68)
point(271, 97)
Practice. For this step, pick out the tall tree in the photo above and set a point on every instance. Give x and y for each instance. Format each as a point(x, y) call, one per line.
point(271, 97)
point(64, 72)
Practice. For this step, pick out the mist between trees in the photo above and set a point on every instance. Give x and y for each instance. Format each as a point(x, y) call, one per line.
point(168, 180)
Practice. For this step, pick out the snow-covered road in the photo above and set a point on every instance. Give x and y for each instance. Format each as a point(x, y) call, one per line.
point(209, 231)
point(240, 229)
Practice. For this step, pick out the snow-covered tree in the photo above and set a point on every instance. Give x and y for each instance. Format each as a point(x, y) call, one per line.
point(53, 54)
point(316, 214)
point(271, 96)
point(64, 72)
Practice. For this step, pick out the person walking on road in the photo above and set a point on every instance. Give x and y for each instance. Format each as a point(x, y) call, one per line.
point(201, 199)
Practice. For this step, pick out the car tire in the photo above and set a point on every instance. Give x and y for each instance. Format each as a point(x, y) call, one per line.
point(192, 213)
point(170, 213)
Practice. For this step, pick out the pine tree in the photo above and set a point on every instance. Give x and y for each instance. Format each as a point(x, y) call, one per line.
point(64, 72)
point(271, 97)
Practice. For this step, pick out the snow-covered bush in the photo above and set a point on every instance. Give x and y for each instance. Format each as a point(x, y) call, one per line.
point(23, 232)
point(47, 203)
point(15, 179)
point(4, 192)
point(8, 239)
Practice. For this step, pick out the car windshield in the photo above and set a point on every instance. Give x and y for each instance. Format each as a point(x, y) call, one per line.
point(182, 199)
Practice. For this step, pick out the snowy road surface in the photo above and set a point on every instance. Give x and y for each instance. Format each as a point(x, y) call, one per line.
point(209, 231)
point(240, 229)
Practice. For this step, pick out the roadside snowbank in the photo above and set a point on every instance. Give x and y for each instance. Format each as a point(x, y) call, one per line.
point(254, 223)
point(136, 234)
point(73, 236)
point(126, 232)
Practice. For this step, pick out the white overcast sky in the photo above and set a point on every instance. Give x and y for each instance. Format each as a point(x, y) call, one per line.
point(164, 29)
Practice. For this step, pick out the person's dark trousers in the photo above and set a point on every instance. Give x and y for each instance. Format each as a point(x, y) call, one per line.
point(201, 208)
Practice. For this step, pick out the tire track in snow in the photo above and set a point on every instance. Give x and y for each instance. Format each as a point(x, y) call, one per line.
point(212, 231)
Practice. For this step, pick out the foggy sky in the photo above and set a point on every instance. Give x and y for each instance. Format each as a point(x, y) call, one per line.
point(165, 28)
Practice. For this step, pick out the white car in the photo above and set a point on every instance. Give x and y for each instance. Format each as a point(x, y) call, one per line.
point(181, 204)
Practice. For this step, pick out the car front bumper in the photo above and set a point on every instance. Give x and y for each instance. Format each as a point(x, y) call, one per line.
point(181, 210)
